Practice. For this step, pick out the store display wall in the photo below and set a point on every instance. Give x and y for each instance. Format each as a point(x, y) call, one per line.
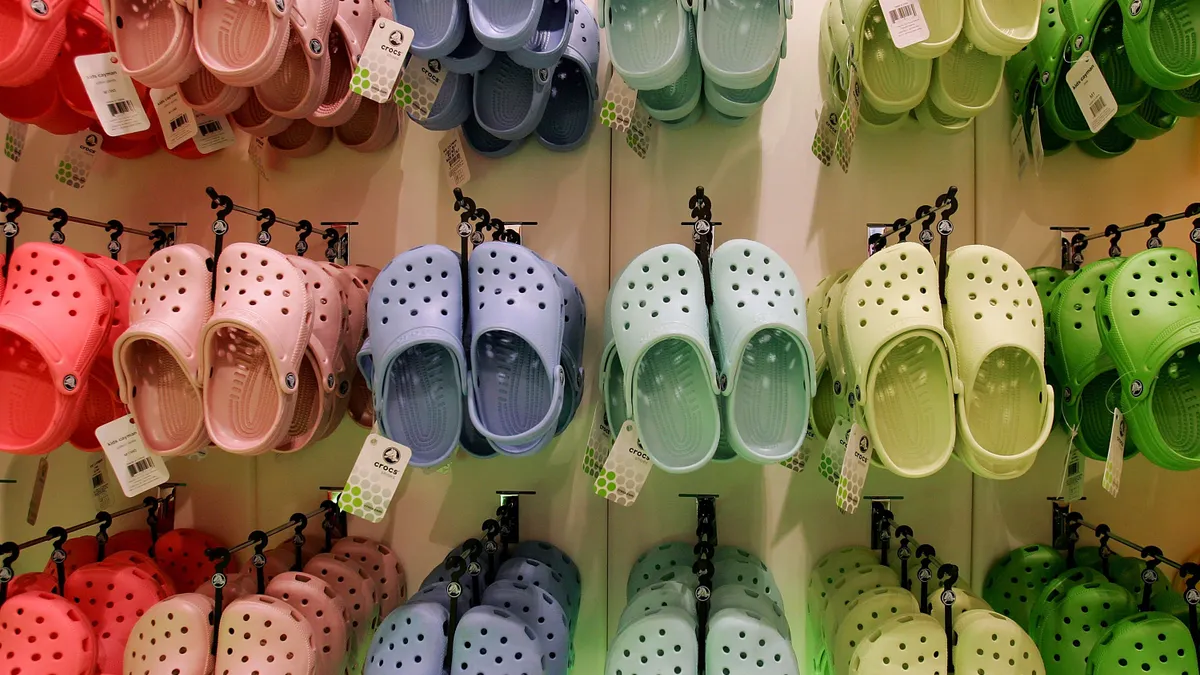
point(598, 208)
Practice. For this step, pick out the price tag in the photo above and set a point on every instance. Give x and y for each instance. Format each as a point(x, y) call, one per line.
point(382, 60)
point(39, 488)
point(14, 140)
point(905, 21)
point(420, 86)
point(1115, 463)
point(1091, 92)
point(374, 478)
point(811, 443)
point(1071, 487)
point(620, 102)
point(75, 164)
point(626, 468)
point(454, 157)
point(600, 443)
point(112, 94)
point(135, 467)
point(825, 139)
point(853, 476)
point(1020, 146)
point(848, 120)
point(176, 117)
point(833, 455)
point(98, 477)
point(1035, 143)
point(213, 134)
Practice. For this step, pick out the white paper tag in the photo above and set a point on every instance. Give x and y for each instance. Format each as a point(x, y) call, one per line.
point(1020, 145)
point(833, 455)
point(825, 139)
point(98, 475)
point(14, 140)
point(638, 135)
point(853, 475)
point(39, 488)
point(75, 165)
point(1115, 463)
point(135, 467)
point(174, 115)
point(374, 478)
point(454, 158)
point(1035, 143)
point(112, 94)
point(213, 134)
point(382, 60)
point(905, 21)
point(1091, 92)
point(626, 468)
point(1071, 487)
point(419, 87)
point(600, 443)
point(810, 444)
point(848, 120)
point(620, 102)
point(258, 150)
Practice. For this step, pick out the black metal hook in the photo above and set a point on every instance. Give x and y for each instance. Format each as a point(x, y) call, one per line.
point(59, 555)
point(1155, 220)
point(305, 230)
point(1113, 232)
point(700, 204)
point(1152, 556)
point(221, 203)
point(106, 520)
point(158, 239)
point(298, 539)
point(949, 197)
point(331, 237)
point(1079, 242)
point(58, 220)
point(151, 506)
point(259, 559)
point(266, 218)
point(926, 553)
point(903, 228)
point(703, 567)
point(13, 207)
point(11, 552)
point(115, 230)
point(464, 203)
point(220, 557)
point(1104, 534)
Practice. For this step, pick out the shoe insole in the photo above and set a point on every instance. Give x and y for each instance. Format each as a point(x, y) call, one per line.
point(677, 413)
point(891, 75)
point(645, 33)
point(1096, 403)
point(308, 404)
point(433, 21)
point(288, 87)
point(422, 405)
point(31, 406)
point(741, 36)
point(1108, 47)
point(910, 406)
point(502, 17)
point(770, 385)
point(968, 75)
point(615, 401)
point(513, 389)
point(504, 95)
point(241, 389)
point(1176, 401)
point(162, 396)
point(1173, 33)
point(1006, 406)
point(551, 26)
point(569, 111)
point(823, 410)
point(1010, 17)
point(236, 33)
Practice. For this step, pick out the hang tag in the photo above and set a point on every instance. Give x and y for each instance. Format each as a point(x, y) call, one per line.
point(112, 94)
point(39, 488)
point(848, 120)
point(1020, 146)
point(853, 476)
point(833, 455)
point(213, 134)
point(75, 165)
point(620, 102)
point(1071, 487)
point(600, 443)
point(638, 136)
point(176, 117)
point(1091, 92)
point(825, 139)
point(374, 478)
point(14, 140)
point(419, 87)
point(1035, 143)
point(382, 60)
point(258, 150)
point(1115, 463)
point(798, 461)
point(454, 157)
point(905, 22)
point(98, 476)
point(135, 467)
point(625, 469)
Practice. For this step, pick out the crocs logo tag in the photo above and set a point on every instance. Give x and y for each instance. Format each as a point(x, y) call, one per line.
point(395, 40)
point(904, 553)
point(945, 227)
point(290, 380)
point(454, 589)
point(476, 238)
point(258, 560)
point(57, 237)
point(1135, 7)
point(11, 229)
point(925, 237)
point(924, 575)
point(722, 381)
point(314, 46)
point(474, 569)
point(1135, 389)
point(1194, 235)
point(948, 597)
point(1192, 596)
point(302, 247)
point(490, 547)
point(220, 227)
point(219, 580)
point(1066, 394)
point(1045, 77)
point(39, 7)
point(6, 574)
point(703, 594)
point(329, 381)
point(1149, 575)
point(435, 66)
point(464, 229)
point(69, 383)
point(543, 75)
point(114, 246)
point(279, 5)
point(264, 238)
point(1078, 42)
point(59, 556)
point(1154, 242)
